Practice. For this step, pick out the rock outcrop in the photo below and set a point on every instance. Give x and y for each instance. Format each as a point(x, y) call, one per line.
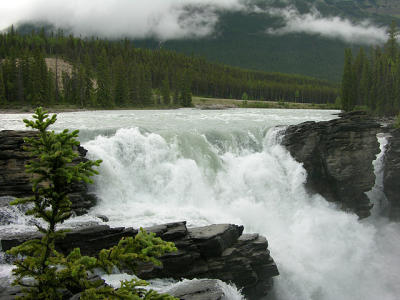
point(391, 174)
point(215, 251)
point(199, 289)
point(338, 156)
point(14, 181)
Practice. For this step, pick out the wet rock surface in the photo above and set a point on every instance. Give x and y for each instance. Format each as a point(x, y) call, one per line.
point(391, 175)
point(338, 156)
point(14, 181)
point(202, 289)
point(215, 251)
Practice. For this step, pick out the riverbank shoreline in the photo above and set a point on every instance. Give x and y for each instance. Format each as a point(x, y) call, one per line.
point(198, 103)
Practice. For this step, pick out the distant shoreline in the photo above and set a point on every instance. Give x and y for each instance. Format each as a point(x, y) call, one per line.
point(198, 103)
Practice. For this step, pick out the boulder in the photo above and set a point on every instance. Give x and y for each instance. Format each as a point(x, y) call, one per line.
point(391, 174)
point(216, 252)
point(14, 181)
point(210, 289)
point(338, 156)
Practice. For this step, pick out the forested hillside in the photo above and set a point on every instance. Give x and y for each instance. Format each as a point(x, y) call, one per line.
point(241, 41)
point(116, 74)
point(372, 78)
point(241, 38)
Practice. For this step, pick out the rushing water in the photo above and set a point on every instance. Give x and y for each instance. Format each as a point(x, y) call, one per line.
point(227, 166)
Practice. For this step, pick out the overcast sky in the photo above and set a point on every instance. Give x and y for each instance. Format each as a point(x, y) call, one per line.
point(171, 19)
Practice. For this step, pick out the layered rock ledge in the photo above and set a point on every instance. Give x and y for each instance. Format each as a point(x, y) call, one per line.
point(338, 156)
point(215, 251)
point(14, 181)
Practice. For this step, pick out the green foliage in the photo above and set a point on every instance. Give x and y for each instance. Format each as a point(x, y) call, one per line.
point(2, 88)
point(186, 94)
point(348, 83)
point(374, 81)
point(397, 121)
point(40, 269)
point(165, 91)
point(144, 248)
point(110, 74)
point(338, 103)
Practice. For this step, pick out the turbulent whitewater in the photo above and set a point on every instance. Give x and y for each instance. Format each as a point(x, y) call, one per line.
point(228, 167)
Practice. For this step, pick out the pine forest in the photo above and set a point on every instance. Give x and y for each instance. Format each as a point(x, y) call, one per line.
point(106, 74)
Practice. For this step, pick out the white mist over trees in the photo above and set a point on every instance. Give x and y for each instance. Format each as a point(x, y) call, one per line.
point(179, 19)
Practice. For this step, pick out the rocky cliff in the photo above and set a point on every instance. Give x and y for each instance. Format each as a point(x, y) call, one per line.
point(338, 156)
point(391, 174)
point(15, 182)
point(215, 251)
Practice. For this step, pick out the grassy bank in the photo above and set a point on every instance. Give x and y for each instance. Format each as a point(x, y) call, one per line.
point(201, 102)
point(198, 102)
point(59, 108)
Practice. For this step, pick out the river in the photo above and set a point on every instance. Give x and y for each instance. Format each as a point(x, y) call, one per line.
point(227, 166)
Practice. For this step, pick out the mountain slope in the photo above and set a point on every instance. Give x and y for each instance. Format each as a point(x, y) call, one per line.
point(241, 38)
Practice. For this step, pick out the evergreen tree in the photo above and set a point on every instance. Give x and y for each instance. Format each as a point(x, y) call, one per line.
point(357, 73)
point(348, 88)
point(51, 88)
point(88, 88)
point(186, 94)
point(10, 79)
point(134, 81)
point(121, 83)
point(141, 71)
point(103, 92)
point(364, 85)
point(165, 91)
point(56, 83)
point(391, 47)
point(3, 100)
point(145, 88)
point(52, 274)
point(176, 98)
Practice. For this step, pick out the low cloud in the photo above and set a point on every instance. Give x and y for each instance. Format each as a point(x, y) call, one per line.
point(330, 27)
point(163, 19)
point(173, 19)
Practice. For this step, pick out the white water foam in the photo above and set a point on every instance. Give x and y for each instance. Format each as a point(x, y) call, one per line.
point(377, 195)
point(169, 285)
point(215, 167)
point(321, 252)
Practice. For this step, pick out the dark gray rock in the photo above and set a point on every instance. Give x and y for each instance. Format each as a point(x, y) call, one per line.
point(103, 218)
point(10, 292)
point(338, 156)
point(213, 240)
point(215, 251)
point(14, 181)
point(90, 239)
point(391, 174)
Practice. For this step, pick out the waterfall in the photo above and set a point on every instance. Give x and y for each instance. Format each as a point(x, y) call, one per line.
point(377, 195)
point(246, 178)
point(228, 167)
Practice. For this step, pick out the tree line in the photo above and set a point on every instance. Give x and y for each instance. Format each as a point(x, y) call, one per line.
point(373, 80)
point(108, 73)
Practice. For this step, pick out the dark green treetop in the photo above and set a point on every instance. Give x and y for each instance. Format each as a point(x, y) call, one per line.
point(348, 87)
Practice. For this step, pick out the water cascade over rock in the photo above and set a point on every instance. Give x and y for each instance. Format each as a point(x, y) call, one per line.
point(338, 156)
point(228, 166)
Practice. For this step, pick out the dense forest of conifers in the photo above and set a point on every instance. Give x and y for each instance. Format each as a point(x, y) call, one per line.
point(116, 74)
point(373, 80)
